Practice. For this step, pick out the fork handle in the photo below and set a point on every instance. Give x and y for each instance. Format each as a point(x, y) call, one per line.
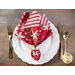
point(10, 48)
point(61, 50)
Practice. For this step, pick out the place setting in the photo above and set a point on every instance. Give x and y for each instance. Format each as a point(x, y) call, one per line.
point(36, 40)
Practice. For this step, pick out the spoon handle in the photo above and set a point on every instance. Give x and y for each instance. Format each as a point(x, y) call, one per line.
point(65, 47)
point(61, 50)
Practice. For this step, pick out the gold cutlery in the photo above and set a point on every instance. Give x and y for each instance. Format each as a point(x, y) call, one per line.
point(60, 33)
point(10, 41)
point(67, 57)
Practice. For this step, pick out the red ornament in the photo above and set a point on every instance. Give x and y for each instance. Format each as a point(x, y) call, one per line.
point(36, 54)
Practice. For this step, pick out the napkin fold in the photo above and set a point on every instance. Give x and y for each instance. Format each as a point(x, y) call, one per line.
point(33, 28)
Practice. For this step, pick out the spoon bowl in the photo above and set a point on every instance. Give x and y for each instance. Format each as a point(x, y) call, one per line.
point(67, 58)
point(65, 35)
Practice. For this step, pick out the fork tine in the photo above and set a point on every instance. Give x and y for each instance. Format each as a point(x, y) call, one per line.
point(9, 29)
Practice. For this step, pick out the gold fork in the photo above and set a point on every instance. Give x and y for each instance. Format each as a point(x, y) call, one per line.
point(10, 40)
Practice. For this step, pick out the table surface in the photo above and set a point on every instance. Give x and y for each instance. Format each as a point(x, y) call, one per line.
point(11, 17)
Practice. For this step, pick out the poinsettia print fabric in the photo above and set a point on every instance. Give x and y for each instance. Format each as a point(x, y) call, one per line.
point(33, 28)
point(36, 54)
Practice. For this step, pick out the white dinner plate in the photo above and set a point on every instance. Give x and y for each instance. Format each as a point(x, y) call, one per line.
point(48, 48)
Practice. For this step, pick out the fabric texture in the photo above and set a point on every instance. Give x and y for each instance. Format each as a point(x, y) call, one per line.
point(33, 28)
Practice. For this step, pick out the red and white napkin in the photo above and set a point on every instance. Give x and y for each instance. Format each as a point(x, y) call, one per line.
point(34, 29)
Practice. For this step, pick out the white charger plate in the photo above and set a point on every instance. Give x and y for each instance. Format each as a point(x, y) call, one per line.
point(48, 48)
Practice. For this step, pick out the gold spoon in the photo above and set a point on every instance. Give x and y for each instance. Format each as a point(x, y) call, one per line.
point(67, 57)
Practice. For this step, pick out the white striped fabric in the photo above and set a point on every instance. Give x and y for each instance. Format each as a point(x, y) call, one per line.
point(44, 21)
point(33, 20)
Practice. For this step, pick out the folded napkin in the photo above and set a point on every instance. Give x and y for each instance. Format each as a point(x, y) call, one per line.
point(34, 29)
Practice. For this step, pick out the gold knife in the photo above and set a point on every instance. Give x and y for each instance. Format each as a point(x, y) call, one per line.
point(61, 49)
point(10, 41)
